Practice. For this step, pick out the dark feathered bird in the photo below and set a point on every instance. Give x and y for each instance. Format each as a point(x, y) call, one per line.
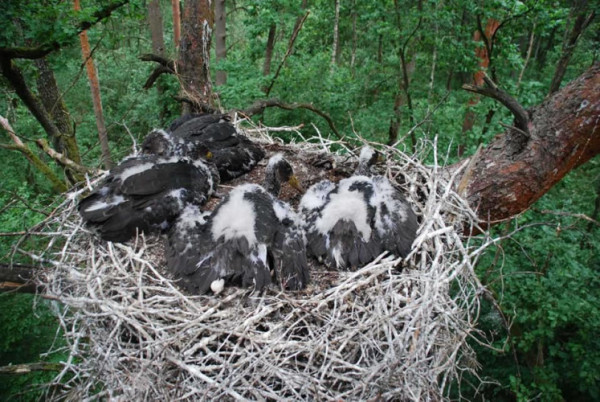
point(146, 193)
point(350, 223)
point(233, 153)
point(249, 238)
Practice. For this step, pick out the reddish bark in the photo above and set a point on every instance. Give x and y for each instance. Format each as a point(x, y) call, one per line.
point(95, 88)
point(507, 176)
point(483, 54)
point(176, 22)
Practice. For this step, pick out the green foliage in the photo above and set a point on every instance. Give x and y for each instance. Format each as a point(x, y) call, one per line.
point(28, 329)
point(546, 279)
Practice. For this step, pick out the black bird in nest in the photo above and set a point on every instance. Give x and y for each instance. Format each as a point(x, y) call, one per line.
point(350, 223)
point(250, 238)
point(145, 193)
point(233, 153)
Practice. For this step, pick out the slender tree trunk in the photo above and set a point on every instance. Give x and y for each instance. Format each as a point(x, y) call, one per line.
point(407, 66)
point(66, 142)
point(194, 55)
point(354, 36)
point(155, 22)
point(582, 20)
point(220, 39)
point(95, 87)
point(176, 22)
point(269, 50)
point(336, 35)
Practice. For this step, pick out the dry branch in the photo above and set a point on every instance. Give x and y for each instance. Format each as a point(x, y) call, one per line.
point(42, 167)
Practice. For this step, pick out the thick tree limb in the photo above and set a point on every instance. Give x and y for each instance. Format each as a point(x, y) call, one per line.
point(46, 48)
point(163, 61)
point(564, 134)
point(165, 66)
point(157, 72)
point(259, 106)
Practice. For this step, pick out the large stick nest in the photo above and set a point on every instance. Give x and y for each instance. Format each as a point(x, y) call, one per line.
point(395, 329)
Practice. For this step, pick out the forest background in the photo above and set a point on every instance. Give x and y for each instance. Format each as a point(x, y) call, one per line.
point(389, 71)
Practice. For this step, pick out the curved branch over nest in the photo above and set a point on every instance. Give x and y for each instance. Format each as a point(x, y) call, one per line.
point(259, 107)
point(165, 66)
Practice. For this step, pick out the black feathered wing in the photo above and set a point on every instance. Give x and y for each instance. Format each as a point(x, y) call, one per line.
point(395, 221)
point(188, 242)
point(146, 193)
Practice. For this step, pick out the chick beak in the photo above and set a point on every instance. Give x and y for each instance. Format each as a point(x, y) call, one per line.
point(209, 155)
point(293, 181)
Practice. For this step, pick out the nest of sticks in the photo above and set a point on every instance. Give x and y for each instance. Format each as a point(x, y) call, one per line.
point(395, 329)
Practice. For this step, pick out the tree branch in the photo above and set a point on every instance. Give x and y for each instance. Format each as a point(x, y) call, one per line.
point(62, 159)
point(163, 61)
point(31, 367)
point(57, 183)
point(157, 72)
point(260, 105)
point(520, 114)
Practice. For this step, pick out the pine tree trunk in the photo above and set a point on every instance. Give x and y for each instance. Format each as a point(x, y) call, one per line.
point(176, 22)
point(155, 22)
point(194, 55)
point(220, 39)
point(97, 101)
point(564, 134)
